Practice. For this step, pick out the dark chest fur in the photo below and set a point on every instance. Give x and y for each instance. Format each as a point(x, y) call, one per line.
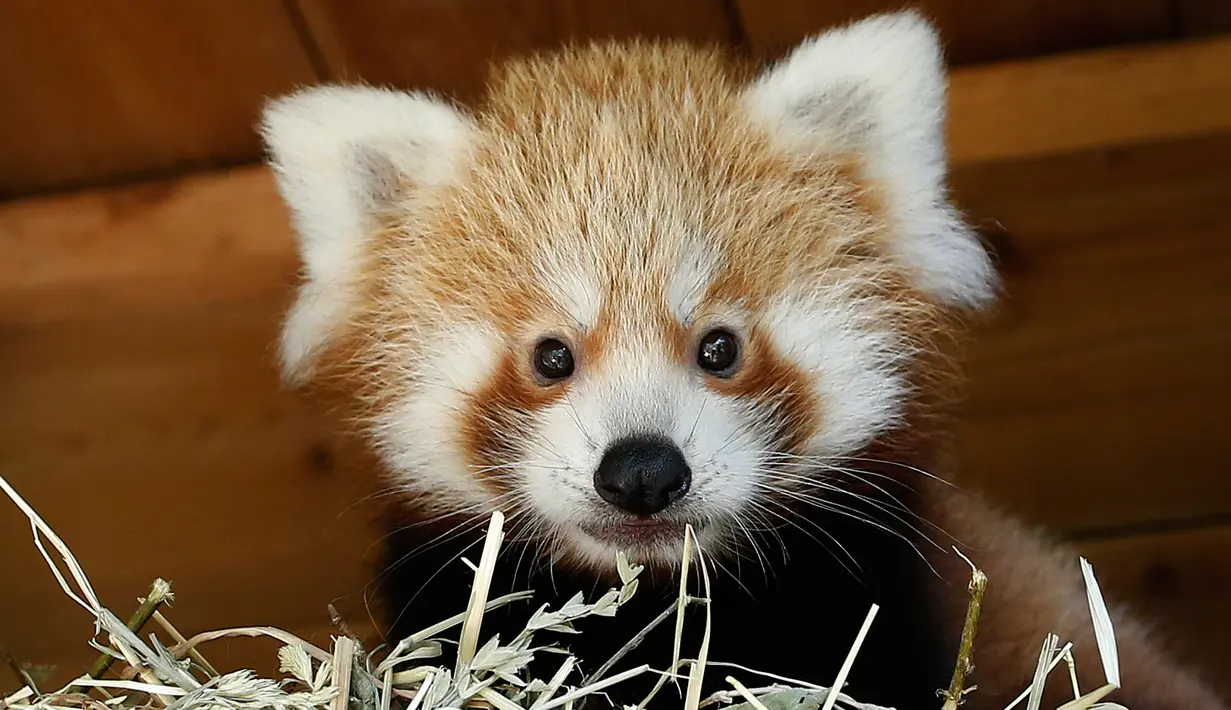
point(798, 621)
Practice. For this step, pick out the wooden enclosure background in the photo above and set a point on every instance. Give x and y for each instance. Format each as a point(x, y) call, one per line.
point(145, 262)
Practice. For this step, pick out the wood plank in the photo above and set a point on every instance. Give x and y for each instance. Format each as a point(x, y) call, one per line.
point(116, 88)
point(160, 246)
point(446, 46)
point(161, 445)
point(143, 415)
point(1102, 373)
point(166, 90)
point(1090, 100)
point(973, 32)
point(1103, 376)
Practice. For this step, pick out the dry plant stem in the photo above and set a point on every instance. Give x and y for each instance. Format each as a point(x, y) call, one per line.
point(149, 677)
point(177, 637)
point(966, 650)
point(439, 628)
point(180, 650)
point(696, 675)
point(557, 680)
point(682, 600)
point(339, 623)
point(724, 697)
point(1068, 647)
point(469, 641)
point(343, 657)
point(1089, 699)
point(155, 681)
point(1072, 664)
point(386, 694)
point(160, 592)
point(746, 694)
point(75, 700)
point(835, 690)
point(20, 672)
point(680, 604)
point(634, 643)
point(422, 693)
point(576, 693)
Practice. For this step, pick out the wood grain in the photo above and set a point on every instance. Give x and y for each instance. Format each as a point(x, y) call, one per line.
point(117, 89)
point(162, 446)
point(139, 384)
point(446, 46)
point(1097, 394)
point(973, 31)
point(107, 89)
point(1082, 101)
point(158, 247)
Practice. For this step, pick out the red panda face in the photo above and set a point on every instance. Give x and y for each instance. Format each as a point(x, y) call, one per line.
point(634, 291)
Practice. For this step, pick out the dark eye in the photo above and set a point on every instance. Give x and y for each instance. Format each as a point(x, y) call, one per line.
point(553, 360)
point(718, 352)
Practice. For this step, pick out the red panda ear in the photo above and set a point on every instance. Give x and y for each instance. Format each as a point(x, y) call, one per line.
point(340, 156)
point(876, 88)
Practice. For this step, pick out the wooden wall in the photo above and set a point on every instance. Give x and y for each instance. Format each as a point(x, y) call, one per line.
point(113, 90)
point(141, 414)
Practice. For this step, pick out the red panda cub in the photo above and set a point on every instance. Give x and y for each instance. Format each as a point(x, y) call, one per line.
point(641, 286)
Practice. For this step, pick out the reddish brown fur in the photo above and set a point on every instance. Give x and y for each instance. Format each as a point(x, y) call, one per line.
point(684, 148)
point(767, 377)
point(687, 157)
point(508, 398)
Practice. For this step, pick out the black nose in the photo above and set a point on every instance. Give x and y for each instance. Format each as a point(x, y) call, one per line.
point(642, 476)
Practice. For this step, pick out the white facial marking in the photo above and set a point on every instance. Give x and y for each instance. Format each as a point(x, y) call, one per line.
point(688, 284)
point(570, 279)
point(854, 362)
point(420, 437)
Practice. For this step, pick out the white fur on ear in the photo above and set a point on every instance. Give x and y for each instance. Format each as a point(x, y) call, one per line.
point(877, 88)
point(339, 155)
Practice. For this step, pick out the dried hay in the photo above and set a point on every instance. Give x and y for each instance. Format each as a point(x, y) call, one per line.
point(148, 673)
